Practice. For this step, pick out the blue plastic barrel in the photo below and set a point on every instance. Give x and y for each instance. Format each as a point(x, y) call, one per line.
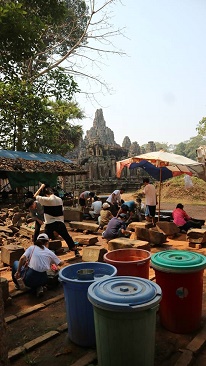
point(80, 316)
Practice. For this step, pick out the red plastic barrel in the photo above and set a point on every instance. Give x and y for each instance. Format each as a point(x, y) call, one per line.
point(130, 262)
point(180, 276)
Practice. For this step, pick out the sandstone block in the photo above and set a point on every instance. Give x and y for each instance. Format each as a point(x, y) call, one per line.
point(93, 254)
point(86, 239)
point(11, 253)
point(17, 216)
point(121, 243)
point(142, 233)
point(156, 238)
point(195, 245)
point(71, 214)
point(151, 235)
point(140, 224)
point(54, 244)
point(28, 230)
point(84, 226)
point(6, 230)
point(167, 228)
point(196, 236)
point(5, 290)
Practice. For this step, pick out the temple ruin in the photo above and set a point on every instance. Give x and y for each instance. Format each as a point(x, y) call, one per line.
point(98, 153)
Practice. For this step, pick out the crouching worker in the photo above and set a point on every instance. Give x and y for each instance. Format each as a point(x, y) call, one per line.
point(116, 228)
point(39, 260)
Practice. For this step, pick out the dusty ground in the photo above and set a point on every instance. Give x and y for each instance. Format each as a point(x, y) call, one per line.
point(61, 350)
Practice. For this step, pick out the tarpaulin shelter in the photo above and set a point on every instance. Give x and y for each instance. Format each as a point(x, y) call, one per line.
point(162, 165)
point(27, 168)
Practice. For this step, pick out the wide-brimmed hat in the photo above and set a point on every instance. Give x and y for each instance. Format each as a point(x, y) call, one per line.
point(43, 236)
point(105, 205)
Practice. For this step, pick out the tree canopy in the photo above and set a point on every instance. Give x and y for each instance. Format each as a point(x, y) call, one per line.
point(201, 127)
point(36, 37)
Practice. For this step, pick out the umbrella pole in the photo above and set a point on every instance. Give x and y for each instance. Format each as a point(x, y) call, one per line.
point(160, 193)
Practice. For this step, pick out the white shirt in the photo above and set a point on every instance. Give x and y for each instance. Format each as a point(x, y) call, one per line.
point(150, 195)
point(96, 206)
point(41, 259)
point(53, 208)
point(115, 197)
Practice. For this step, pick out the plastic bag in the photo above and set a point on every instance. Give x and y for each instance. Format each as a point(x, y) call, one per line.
point(188, 181)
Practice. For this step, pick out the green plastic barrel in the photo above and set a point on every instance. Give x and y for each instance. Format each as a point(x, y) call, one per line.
point(125, 320)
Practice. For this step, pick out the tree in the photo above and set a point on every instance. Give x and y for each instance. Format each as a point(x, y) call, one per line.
point(34, 116)
point(48, 34)
point(72, 30)
point(201, 128)
point(188, 148)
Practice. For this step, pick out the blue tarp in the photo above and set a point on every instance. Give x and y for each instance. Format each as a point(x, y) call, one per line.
point(152, 170)
point(33, 156)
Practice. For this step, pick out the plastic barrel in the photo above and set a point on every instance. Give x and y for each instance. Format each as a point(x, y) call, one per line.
point(125, 320)
point(79, 311)
point(180, 275)
point(130, 262)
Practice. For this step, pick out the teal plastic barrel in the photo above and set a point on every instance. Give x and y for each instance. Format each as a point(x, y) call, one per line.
point(179, 273)
point(125, 320)
point(76, 278)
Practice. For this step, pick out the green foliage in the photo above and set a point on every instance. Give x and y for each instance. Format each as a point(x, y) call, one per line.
point(188, 148)
point(32, 32)
point(29, 121)
point(201, 128)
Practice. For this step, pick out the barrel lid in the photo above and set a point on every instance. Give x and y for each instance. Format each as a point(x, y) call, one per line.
point(124, 293)
point(178, 260)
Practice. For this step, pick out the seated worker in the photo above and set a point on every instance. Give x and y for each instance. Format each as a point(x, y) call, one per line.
point(95, 208)
point(40, 259)
point(116, 228)
point(183, 220)
point(115, 200)
point(36, 212)
point(85, 199)
point(105, 215)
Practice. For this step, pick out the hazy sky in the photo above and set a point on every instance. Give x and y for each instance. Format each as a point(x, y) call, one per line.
point(160, 86)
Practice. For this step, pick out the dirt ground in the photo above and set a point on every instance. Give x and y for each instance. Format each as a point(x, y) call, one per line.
point(60, 350)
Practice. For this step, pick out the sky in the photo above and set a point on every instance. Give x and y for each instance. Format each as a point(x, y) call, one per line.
point(159, 87)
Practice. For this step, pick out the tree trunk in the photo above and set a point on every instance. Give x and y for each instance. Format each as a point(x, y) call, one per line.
point(4, 361)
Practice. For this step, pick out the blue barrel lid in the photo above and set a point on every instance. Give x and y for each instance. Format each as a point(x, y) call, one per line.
point(124, 293)
point(178, 261)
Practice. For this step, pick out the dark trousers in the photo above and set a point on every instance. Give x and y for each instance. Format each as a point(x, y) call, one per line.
point(36, 230)
point(61, 229)
point(32, 278)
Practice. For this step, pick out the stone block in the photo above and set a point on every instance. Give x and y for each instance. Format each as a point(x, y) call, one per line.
point(86, 239)
point(142, 233)
point(196, 236)
point(84, 226)
point(140, 224)
point(195, 245)
point(167, 228)
point(17, 216)
point(11, 253)
point(28, 230)
point(6, 230)
point(54, 245)
point(93, 254)
point(122, 243)
point(5, 290)
point(156, 238)
point(71, 214)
